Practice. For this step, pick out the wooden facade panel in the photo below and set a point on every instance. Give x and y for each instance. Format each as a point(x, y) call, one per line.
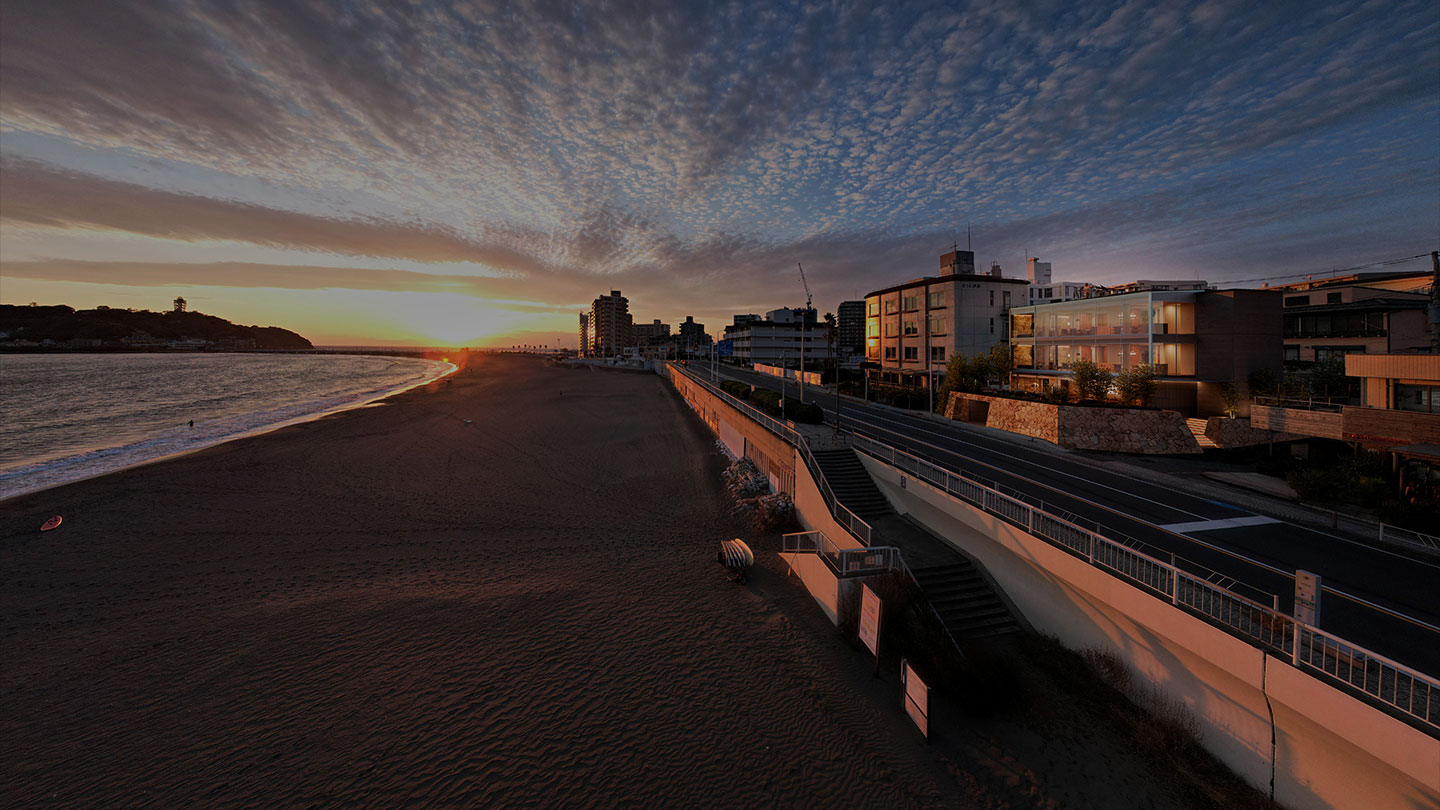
point(1324, 424)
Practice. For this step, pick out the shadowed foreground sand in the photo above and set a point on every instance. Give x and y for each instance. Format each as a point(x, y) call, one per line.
point(389, 608)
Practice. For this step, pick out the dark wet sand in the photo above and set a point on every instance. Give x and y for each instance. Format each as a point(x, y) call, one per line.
point(389, 608)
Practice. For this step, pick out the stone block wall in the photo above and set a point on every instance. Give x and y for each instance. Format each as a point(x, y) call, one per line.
point(1125, 430)
point(1038, 419)
point(1120, 430)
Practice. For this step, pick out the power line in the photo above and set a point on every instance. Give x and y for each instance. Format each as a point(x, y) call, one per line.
point(1384, 263)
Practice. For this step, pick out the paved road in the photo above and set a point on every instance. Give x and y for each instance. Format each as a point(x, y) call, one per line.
point(1260, 552)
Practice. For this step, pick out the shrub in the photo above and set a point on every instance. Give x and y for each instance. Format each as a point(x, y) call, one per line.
point(1422, 515)
point(1090, 381)
point(1263, 383)
point(735, 388)
point(1136, 385)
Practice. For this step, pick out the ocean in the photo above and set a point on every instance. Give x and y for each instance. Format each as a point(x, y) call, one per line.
point(64, 417)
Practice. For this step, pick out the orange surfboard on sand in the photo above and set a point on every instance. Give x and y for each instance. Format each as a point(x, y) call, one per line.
point(51, 523)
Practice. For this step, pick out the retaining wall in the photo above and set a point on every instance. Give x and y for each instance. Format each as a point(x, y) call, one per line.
point(1120, 430)
point(1329, 750)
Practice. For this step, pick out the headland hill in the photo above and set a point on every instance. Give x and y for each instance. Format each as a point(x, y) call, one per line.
point(64, 328)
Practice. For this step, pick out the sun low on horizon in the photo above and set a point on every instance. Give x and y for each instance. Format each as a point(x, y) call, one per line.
point(451, 174)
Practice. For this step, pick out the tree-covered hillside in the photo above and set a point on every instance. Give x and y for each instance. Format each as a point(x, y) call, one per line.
point(121, 327)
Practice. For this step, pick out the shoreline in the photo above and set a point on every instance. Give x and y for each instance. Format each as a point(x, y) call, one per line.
point(363, 402)
point(396, 607)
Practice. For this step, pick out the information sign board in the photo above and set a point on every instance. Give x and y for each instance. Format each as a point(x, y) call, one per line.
point(870, 620)
point(917, 699)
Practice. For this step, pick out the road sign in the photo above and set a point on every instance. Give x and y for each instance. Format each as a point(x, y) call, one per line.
point(1307, 598)
point(725, 348)
point(870, 620)
point(917, 699)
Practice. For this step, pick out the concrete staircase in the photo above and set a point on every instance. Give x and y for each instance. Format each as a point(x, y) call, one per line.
point(962, 597)
point(1197, 427)
point(852, 484)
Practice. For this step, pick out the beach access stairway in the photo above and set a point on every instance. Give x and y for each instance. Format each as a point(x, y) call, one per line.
point(851, 483)
point(962, 594)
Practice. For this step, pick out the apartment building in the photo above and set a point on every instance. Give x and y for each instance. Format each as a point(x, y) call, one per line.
point(1357, 313)
point(693, 335)
point(611, 328)
point(776, 339)
point(914, 328)
point(1196, 340)
point(584, 344)
point(649, 334)
point(850, 328)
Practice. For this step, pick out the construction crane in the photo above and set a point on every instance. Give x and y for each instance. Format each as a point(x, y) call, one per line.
point(806, 283)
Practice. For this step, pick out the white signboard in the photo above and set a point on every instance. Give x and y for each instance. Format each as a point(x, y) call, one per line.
point(917, 699)
point(870, 620)
point(1307, 597)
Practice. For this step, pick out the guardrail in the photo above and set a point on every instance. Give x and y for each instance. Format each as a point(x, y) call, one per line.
point(1388, 682)
point(1395, 534)
point(846, 518)
point(850, 562)
point(845, 562)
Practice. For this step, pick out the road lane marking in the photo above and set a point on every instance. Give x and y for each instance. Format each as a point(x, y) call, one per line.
point(1224, 523)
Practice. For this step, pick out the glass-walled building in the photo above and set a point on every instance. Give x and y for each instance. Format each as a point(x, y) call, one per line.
point(1189, 337)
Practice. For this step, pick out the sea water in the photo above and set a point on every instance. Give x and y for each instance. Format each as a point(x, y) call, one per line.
point(64, 417)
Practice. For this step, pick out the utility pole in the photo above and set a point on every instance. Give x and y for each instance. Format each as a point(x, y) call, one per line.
point(803, 317)
point(1435, 302)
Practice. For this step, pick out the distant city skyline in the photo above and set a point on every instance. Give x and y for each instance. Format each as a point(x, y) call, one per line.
point(451, 175)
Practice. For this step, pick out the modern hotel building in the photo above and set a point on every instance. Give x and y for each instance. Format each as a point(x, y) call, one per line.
point(1196, 340)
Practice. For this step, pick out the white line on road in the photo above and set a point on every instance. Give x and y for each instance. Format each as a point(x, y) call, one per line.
point(1212, 525)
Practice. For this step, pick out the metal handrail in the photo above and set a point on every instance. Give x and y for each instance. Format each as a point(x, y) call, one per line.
point(852, 522)
point(1404, 689)
point(816, 542)
point(1409, 536)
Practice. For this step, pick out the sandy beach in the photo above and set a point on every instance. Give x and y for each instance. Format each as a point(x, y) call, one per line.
point(391, 608)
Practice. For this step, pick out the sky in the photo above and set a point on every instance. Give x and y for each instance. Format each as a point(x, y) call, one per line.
point(435, 173)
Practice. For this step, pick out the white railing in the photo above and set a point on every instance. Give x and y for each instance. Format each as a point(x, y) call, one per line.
point(846, 518)
point(1395, 534)
point(852, 522)
point(845, 562)
point(1406, 690)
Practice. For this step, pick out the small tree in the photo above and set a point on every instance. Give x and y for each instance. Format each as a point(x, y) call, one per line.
point(1001, 363)
point(1136, 385)
point(1091, 381)
point(1263, 383)
point(1327, 378)
point(965, 374)
point(1230, 395)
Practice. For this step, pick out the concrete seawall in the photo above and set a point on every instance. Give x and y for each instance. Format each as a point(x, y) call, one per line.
point(1303, 741)
point(1322, 749)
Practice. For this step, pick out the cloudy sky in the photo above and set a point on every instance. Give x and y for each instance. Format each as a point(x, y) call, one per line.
point(428, 172)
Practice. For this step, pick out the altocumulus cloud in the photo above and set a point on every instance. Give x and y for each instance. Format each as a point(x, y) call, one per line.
point(698, 150)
